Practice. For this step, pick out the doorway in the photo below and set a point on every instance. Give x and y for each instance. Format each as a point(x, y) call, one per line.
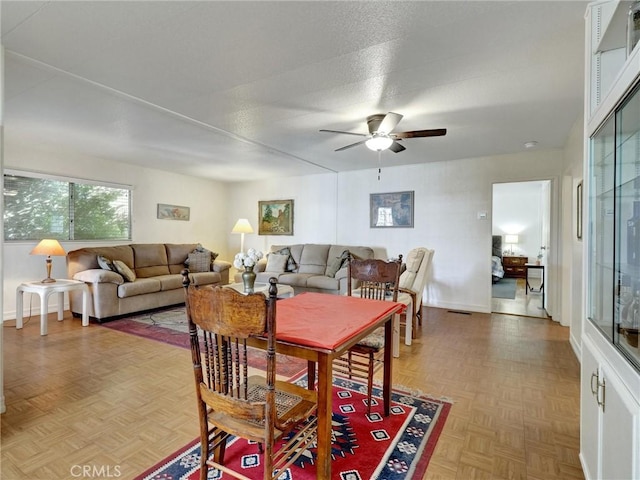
point(521, 219)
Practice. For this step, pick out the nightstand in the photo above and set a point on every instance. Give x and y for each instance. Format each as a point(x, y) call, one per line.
point(515, 266)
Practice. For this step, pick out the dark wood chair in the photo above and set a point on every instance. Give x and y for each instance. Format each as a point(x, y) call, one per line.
point(377, 280)
point(232, 402)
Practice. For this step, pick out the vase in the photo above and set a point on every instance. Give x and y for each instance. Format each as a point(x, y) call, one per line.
point(248, 279)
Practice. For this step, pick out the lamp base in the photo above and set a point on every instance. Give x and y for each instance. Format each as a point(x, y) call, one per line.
point(48, 280)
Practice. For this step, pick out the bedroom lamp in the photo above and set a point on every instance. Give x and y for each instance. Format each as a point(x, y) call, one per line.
point(511, 240)
point(242, 226)
point(48, 247)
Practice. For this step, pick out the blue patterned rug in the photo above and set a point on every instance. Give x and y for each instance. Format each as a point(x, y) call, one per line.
point(364, 447)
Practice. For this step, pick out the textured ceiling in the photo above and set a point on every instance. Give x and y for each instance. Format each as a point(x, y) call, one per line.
point(237, 90)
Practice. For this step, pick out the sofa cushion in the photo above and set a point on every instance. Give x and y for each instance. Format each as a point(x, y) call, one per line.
point(206, 278)
point(336, 263)
point(294, 250)
point(105, 263)
point(125, 271)
point(169, 282)
point(276, 263)
point(150, 259)
point(177, 254)
point(139, 287)
point(358, 252)
point(314, 259)
point(322, 282)
point(263, 277)
point(199, 261)
point(291, 263)
point(87, 258)
point(295, 279)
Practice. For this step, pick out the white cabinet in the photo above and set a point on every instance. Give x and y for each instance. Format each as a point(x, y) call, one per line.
point(610, 421)
point(610, 356)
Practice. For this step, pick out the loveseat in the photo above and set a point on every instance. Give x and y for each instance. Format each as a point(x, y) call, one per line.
point(150, 277)
point(308, 267)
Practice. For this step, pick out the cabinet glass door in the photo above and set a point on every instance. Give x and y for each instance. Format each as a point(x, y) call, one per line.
point(601, 227)
point(627, 208)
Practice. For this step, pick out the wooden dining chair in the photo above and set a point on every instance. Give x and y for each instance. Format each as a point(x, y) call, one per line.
point(378, 280)
point(230, 400)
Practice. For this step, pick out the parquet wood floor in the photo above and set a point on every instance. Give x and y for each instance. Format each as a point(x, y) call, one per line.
point(525, 304)
point(96, 403)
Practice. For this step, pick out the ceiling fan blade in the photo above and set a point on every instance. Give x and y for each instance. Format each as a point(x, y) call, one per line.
point(349, 146)
point(346, 133)
point(436, 132)
point(396, 147)
point(389, 122)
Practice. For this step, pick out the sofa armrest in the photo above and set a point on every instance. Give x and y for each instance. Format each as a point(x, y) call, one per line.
point(98, 275)
point(261, 266)
point(221, 266)
point(342, 273)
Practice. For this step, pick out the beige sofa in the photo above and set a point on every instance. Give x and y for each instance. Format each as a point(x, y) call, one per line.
point(157, 283)
point(310, 268)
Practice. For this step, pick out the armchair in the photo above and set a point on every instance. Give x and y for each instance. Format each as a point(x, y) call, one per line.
point(412, 283)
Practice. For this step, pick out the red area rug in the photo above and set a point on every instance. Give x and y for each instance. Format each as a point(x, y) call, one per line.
point(364, 447)
point(170, 326)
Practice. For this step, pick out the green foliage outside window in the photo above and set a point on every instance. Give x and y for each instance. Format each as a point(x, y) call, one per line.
point(36, 208)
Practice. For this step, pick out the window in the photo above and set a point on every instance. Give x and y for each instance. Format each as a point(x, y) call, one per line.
point(37, 207)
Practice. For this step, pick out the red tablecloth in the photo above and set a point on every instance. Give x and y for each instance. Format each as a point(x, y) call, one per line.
point(326, 321)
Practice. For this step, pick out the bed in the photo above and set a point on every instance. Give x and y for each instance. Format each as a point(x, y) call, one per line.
point(497, 270)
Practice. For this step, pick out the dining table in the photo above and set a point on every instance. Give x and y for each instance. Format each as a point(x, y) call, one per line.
point(320, 327)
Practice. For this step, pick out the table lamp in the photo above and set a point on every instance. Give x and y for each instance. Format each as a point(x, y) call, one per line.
point(511, 240)
point(48, 247)
point(242, 226)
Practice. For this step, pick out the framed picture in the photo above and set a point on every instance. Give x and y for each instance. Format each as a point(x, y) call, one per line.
point(275, 217)
point(579, 210)
point(391, 210)
point(173, 212)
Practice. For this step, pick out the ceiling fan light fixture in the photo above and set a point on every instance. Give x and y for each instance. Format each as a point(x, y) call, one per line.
point(378, 143)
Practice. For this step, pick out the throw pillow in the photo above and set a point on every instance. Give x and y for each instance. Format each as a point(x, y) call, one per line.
point(105, 263)
point(199, 261)
point(336, 264)
point(125, 271)
point(276, 263)
point(201, 249)
point(291, 263)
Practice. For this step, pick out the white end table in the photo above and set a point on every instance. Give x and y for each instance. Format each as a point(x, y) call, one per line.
point(284, 291)
point(45, 290)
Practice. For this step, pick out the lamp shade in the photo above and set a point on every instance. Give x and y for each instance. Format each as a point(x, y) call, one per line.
point(511, 238)
point(378, 143)
point(48, 247)
point(242, 226)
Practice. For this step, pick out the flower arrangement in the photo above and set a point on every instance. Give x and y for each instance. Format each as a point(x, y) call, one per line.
point(247, 260)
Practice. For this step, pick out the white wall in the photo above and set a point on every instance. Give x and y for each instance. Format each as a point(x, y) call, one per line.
point(448, 198)
point(328, 208)
point(208, 225)
point(572, 264)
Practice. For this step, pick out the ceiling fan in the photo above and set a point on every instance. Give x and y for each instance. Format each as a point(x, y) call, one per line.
point(381, 135)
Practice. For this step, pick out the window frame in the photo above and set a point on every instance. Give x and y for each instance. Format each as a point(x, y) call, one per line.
point(70, 180)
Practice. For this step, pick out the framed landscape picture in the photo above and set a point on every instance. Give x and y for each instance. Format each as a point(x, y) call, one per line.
point(275, 217)
point(391, 210)
point(173, 212)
